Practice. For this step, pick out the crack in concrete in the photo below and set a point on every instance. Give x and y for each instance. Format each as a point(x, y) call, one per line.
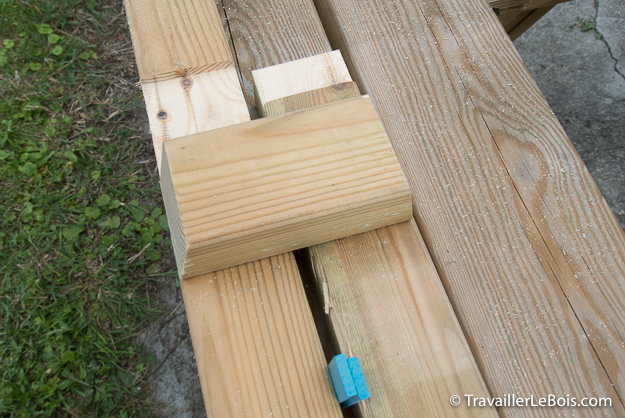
point(605, 41)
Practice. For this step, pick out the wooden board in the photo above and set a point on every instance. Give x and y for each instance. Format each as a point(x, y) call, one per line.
point(268, 361)
point(303, 83)
point(276, 184)
point(376, 284)
point(389, 308)
point(174, 38)
point(519, 15)
point(312, 98)
point(188, 80)
point(266, 33)
point(183, 106)
point(528, 250)
point(255, 343)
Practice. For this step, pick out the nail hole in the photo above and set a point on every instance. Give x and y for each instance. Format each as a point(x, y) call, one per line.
point(162, 115)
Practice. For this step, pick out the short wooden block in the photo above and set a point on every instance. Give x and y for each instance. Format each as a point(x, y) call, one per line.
point(273, 185)
point(303, 83)
point(304, 100)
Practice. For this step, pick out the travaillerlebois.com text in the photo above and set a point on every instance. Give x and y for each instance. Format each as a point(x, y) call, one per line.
point(532, 401)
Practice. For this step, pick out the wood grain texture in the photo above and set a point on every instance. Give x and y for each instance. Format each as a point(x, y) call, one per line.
point(176, 37)
point(276, 184)
point(389, 308)
point(266, 33)
point(437, 362)
point(255, 343)
point(273, 364)
point(303, 83)
point(528, 250)
point(333, 93)
point(183, 106)
point(300, 76)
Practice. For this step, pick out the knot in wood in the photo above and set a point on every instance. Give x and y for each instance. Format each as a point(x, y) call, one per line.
point(186, 82)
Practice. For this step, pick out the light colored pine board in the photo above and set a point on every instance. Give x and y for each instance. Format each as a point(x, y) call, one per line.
point(266, 33)
point(257, 379)
point(312, 98)
point(276, 184)
point(174, 38)
point(579, 241)
point(303, 83)
point(300, 76)
point(389, 308)
point(255, 343)
point(379, 283)
point(528, 250)
point(190, 104)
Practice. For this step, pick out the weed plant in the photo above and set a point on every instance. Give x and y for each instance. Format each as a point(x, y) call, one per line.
point(81, 225)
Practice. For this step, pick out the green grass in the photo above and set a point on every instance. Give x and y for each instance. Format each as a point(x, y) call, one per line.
point(82, 231)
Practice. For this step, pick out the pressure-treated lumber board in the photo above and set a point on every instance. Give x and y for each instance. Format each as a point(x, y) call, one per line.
point(190, 104)
point(323, 403)
point(528, 250)
point(265, 187)
point(310, 357)
point(255, 342)
point(188, 81)
point(255, 381)
point(266, 33)
point(176, 37)
point(385, 295)
point(389, 308)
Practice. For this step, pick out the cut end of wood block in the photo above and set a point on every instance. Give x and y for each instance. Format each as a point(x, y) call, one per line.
point(273, 185)
point(302, 77)
point(333, 93)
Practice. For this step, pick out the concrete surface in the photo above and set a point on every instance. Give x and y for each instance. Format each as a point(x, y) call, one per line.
point(174, 381)
point(576, 53)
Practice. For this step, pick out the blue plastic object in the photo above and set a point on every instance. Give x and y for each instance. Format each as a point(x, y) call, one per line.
point(349, 382)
